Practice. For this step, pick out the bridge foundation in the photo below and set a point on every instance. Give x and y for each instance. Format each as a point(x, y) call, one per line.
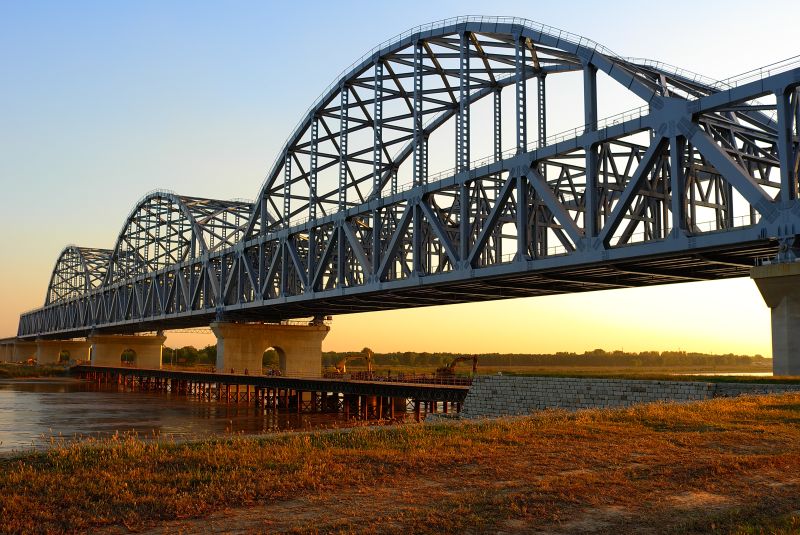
point(146, 351)
point(241, 346)
point(779, 285)
point(49, 351)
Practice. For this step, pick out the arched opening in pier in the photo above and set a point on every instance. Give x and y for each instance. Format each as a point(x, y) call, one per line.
point(128, 357)
point(274, 361)
point(63, 356)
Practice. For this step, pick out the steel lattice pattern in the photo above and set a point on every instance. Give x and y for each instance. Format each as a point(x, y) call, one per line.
point(77, 271)
point(695, 184)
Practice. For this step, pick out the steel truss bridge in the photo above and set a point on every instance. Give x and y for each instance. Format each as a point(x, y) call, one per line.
point(696, 184)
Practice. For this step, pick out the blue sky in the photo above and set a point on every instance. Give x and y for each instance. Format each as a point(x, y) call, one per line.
point(101, 102)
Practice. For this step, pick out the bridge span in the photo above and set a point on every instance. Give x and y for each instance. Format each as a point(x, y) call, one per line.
point(700, 182)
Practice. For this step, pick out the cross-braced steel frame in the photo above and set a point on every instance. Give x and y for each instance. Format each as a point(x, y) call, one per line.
point(694, 185)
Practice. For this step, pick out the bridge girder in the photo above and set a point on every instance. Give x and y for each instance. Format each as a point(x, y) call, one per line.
point(694, 185)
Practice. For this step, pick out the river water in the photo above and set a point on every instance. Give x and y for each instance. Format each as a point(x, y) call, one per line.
point(34, 410)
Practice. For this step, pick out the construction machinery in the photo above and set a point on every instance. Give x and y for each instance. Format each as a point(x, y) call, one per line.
point(366, 354)
point(449, 370)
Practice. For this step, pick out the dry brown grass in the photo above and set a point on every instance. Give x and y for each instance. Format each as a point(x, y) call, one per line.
point(18, 371)
point(721, 465)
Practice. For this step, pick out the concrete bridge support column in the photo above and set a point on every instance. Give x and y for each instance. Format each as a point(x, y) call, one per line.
point(6, 351)
point(23, 351)
point(49, 351)
point(241, 346)
point(107, 350)
point(779, 285)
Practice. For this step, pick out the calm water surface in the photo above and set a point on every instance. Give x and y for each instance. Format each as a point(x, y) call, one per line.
point(34, 410)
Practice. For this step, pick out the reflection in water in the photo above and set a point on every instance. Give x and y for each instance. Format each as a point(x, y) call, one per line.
point(32, 411)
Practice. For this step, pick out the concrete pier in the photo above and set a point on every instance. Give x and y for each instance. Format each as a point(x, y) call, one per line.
point(779, 285)
point(107, 350)
point(241, 346)
point(49, 351)
point(16, 350)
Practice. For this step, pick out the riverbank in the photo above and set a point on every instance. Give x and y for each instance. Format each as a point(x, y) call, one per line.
point(724, 464)
point(18, 371)
point(655, 373)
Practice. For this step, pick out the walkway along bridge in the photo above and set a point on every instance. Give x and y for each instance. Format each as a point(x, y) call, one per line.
point(698, 183)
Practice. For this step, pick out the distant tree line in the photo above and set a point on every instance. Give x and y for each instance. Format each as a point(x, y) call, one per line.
point(597, 357)
point(190, 356)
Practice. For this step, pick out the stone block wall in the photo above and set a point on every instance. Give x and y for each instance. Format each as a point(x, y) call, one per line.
point(503, 395)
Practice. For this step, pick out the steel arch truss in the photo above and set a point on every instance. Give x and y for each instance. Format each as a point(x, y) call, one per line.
point(693, 186)
point(77, 270)
point(166, 229)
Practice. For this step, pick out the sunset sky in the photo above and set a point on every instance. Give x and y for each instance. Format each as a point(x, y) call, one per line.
point(101, 102)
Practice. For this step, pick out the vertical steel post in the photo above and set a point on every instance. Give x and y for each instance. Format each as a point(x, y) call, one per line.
point(677, 149)
point(377, 164)
point(591, 220)
point(420, 160)
point(312, 201)
point(591, 216)
point(344, 94)
point(340, 255)
point(464, 222)
point(312, 170)
point(498, 154)
point(418, 250)
point(420, 154)
point(377, 130)
point(590, 97)
point(462, 119)
point(284, 267)
point(541, 102)
point(785, 147)
point(287, 188)
point(522, 218)
point(521, 114)
point(498, 122)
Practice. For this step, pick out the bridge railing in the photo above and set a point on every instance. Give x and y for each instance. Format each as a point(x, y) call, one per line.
point(762, 72)
point(383, 377)
point(726, 83)
point(415, 378)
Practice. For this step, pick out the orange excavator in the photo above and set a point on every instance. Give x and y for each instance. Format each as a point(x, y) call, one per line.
point(450, 369)
point(366, 354)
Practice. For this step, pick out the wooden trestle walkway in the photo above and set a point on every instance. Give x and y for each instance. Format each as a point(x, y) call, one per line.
point(364, 399)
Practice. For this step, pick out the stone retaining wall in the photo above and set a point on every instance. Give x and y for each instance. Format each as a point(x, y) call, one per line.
point(503, 395)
